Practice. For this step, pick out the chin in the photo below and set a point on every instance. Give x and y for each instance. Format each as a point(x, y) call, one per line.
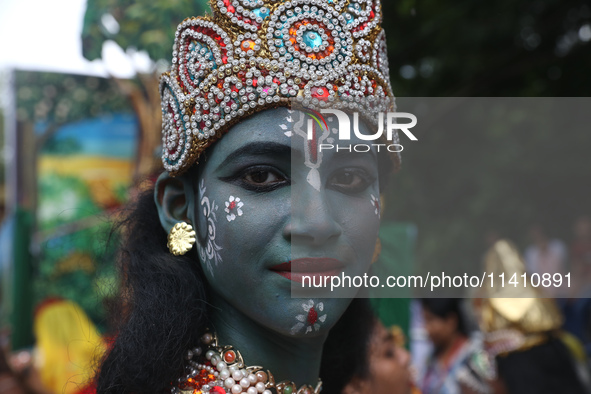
point(314, 317)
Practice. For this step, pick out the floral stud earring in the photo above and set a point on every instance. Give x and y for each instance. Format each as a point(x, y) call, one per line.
point(181, 239)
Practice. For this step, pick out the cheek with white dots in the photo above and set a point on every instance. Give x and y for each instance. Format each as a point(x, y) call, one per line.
point(311, 318)
point(233, 208)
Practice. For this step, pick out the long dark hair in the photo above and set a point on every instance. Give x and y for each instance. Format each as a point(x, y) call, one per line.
point(164, 310)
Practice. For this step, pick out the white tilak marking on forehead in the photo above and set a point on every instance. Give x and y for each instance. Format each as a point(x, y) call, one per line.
point(288, 133)
point(300, 128)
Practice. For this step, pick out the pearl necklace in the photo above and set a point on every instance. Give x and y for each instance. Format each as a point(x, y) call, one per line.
point(218, 369)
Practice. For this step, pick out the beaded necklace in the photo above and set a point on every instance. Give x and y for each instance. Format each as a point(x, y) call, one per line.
point(216, 369)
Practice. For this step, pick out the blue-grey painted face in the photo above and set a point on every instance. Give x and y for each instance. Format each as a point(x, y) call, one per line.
point(256, 209)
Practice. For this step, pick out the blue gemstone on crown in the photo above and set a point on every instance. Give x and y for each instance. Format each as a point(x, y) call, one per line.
point(312, 39)
point(262, 12)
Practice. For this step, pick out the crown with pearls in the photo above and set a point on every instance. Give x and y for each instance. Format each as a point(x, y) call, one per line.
point(256, 54)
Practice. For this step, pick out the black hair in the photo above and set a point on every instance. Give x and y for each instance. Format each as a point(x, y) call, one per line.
point(164, 310)
point(447, 307)
point(544, 369)
point(345, 353)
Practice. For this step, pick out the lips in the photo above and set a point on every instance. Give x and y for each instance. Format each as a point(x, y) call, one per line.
point(295, 270)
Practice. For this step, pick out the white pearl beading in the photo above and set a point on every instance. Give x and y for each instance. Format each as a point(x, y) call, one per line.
point(243, 60)
point(233, 377)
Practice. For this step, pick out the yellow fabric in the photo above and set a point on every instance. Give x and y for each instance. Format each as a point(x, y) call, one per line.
point(68, 347)
point(574, 346)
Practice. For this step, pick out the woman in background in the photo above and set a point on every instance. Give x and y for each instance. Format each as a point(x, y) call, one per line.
point(447, 329)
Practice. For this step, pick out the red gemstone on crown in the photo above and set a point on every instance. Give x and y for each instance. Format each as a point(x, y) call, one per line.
point(320, 93)
point(312, 316)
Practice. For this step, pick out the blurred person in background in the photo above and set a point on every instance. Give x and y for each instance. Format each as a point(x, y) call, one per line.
point(545, 255)
point(388, 371)
point(68, 347)
point(447, 328)
point(527, 351)
point(577, 308)
point(9, 382)
point(18, 375)
point(580, 255)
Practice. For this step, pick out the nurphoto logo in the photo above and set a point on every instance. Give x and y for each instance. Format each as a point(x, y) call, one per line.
point(344, 130)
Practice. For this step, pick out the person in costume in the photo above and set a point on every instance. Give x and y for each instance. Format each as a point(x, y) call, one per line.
point(248, 204)
point(524, 349)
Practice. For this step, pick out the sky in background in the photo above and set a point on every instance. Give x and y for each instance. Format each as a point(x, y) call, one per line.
point(44, 35)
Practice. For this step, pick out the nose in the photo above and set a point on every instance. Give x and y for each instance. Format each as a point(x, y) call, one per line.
point(403, 357)
point(311, 221)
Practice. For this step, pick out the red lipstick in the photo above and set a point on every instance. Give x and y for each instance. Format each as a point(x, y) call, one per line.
point(295, 270)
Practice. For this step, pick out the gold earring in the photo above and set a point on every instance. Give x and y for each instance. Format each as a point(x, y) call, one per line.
point(181, 239)
point(376, 251)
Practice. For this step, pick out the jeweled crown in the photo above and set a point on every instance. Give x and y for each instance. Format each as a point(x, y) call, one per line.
point(256, 54)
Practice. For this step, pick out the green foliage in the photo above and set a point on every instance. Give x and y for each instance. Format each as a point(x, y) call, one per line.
point(64, 199)
point(141, 24)
point(488, 48)
point(87, 278)
point(459, 188)
point(58, 98)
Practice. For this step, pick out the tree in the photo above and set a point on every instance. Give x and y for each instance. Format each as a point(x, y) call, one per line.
point(457, 192)
point(145, 26)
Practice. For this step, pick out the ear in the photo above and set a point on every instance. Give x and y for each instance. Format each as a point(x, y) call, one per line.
point(174, 198)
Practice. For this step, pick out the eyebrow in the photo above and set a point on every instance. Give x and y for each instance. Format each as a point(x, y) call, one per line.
point(259, 149)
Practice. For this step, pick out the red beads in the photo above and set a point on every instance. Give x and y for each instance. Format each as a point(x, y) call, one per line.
point(312, 316)
point(230, 355)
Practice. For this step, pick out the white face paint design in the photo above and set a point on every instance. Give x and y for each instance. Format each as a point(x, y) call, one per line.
point(233, 208)
point(375, 202)
point(313, 156)
point(312, 320)
point(289, 120)
point(206, 243)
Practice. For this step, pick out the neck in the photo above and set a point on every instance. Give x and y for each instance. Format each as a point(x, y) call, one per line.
point(288, 358)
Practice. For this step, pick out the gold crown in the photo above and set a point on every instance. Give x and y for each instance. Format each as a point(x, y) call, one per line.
point(256, 54)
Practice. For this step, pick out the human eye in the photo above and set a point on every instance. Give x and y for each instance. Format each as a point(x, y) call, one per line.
point(261, 178)
point(390, 352)
point(350, 180)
